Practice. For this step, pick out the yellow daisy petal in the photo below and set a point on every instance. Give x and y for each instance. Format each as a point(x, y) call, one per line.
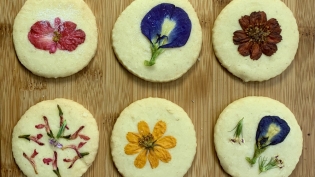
point(133, 137)
point(153, 159)
point(159, 130)
point(143, 128)
point(162, 154)
point(141, 159)
point(166, 142)
point(132, 148)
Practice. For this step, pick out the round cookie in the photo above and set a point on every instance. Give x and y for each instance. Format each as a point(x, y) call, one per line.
point(55, 38)
point(153, 137)
point(265, 67)
point(40, 150)
point(133, 48)
point(254, 112)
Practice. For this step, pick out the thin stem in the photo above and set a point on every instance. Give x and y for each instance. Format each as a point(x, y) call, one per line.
point(257, 153)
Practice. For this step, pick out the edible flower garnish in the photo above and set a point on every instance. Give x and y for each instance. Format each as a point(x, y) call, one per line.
point(165, 26)
point(31, 160)
point(238, 132)
point(33, 138)
point(150, 146)
point(62, 35)
point(274, 162)
point(271, 130)
point(54, 163)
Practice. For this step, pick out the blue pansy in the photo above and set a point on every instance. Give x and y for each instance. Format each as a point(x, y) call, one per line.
point(165, 26)
point(271, 130)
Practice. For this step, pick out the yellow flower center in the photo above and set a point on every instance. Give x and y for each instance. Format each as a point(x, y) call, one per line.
point(56, 36)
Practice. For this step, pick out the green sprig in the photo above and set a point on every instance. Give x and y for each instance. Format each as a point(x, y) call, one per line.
point(274, 162)
point(238, 132)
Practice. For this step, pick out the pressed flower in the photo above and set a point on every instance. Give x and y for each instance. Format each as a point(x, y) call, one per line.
point(271, 130)
point(31, 160)
point(33, 138)
point(62, 35)
point(47, 127)
point(165, 26)
point(61, 117)
point(74, 147)
point(75, 158)
point(258, 36)
point(54, 163)
point(152, 147)
point(76, 134)
point(238, 132)
point(274, 162)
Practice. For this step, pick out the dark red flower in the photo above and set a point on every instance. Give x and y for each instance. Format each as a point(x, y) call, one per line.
point(258, 36)
point(62, 35)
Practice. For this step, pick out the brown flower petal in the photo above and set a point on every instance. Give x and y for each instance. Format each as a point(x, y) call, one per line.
point(273, 38)
point(244, 22)
point(143, 128)
point(244, 49)
point(162, 154)
point(133, 137)
point(141, 159)
point(273, 25)
point(166, 142)
point(154, 161)
point(132, 148)
point(240, 37)
point(269, 49)
point(257, 18)
point(255, 52)
point(159, 130)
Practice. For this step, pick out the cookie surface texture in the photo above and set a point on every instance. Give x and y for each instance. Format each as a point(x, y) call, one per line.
point(252, 110)
point(132, 47)
point(31, 141)
point(55, 49)
point(173, 134)
point(265, 67)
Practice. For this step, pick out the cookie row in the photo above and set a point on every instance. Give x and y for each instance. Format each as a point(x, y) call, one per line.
point(157, 40)
point(155, 137)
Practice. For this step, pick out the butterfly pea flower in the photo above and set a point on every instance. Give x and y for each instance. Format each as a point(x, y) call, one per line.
point(271, 130)
point(165, 26)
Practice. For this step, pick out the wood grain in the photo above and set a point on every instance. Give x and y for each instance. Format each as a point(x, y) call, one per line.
point(106, 88)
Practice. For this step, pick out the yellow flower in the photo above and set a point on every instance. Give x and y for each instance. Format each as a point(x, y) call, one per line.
point(150, 146)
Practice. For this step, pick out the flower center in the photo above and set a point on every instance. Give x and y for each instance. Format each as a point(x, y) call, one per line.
point(147, 141)
point(257, 33)
point(56, 36)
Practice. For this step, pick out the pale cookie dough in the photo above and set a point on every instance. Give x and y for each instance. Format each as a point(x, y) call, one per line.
point(265, 67)
point(62, 63)
point(253, 109)
point(32, 123)
point(178, 125)
point(132, 47)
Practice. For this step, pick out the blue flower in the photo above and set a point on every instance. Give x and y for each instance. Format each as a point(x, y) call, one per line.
point(165, 26)
point(271, 130)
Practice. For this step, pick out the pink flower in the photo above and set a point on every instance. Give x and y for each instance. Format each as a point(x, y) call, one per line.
point(31, 159)
point(62, 35)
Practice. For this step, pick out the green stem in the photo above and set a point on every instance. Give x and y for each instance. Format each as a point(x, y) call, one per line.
point(156, 51)
point(257, 153)
point(62, 129)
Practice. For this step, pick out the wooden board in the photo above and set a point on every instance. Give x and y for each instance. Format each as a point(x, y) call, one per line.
point(106, 88)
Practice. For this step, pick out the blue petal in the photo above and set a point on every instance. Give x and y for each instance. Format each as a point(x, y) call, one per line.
point(271, 131)
point(151, 25)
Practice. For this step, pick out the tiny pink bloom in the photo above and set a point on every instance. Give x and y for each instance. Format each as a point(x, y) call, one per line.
point(36, 139)
point(31, 159)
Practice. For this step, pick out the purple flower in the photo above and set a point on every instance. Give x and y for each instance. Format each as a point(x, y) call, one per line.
point(165, 26)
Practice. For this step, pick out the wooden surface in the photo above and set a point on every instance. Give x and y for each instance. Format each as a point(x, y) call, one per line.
point(106, 88)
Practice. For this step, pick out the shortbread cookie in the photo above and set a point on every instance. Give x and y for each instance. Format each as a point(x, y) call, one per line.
point(261, 125)
point(55, 138)
point(153, 137)
point(255, 40)
point(55, 38)
point(168, 31)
